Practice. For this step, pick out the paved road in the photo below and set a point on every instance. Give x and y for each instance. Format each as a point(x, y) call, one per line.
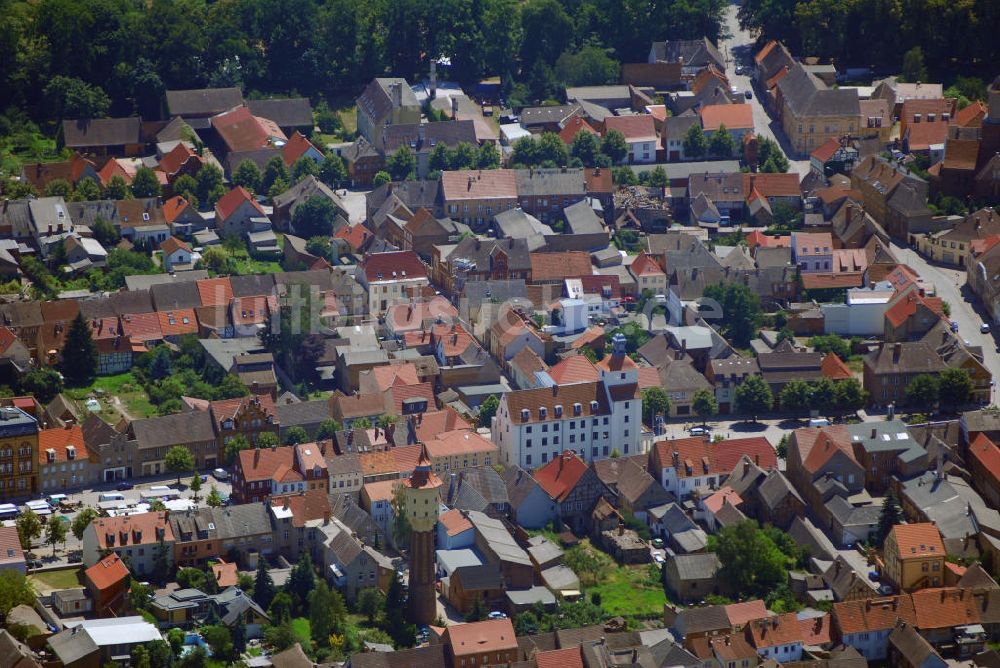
point(738, 50)
point(950, 286)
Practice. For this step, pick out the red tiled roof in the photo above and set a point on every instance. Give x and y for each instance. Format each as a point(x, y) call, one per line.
point(721, 458)
point(922, 135)
point(972, 116)
point(11, 552)
point(111, 169)
point(477, 184)
point(917, 541)
point(645, 265)
point(613, 362)
point(825, 281)
point(107, 572)
point(826, 150)
point(393, 266)
point(733, 116)
point(242, 131)
point(570, 657)
point(816, 631)
point(549, 266)
point(765, 50)
point(459, 442)
point(828, 442)
point(434, 422)
point(773, 185)
point(454, 522)
point(356, 236)
point(402, 317)
point(264, 463)
point(575, 126)
point(390, 375)
point(175, 159)
point(178, 322)
point(741, 613)
point(226, 574)
point(171, 244)
point(400, 393)
point(777, 630)
point(139, 529)
point(313, 504)
point(296, 147)
point(58, 439)
point(834, 368)
point(633, 128)
point(944, 608)
point(7, 339)
point(906, 307)
point(227, 205)
point(575, 369)
point(714, 503)
point(142, 327)
point(873, 614)
point(985, 451)
point(560, 475)
point(759, 238)
point(477, 638)
point(252, 310)
point(174, 207)
point(215, 291)
point(223, 409)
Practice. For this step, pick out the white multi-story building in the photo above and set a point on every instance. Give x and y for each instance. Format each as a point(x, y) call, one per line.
point(594, 419)
point(391, 278)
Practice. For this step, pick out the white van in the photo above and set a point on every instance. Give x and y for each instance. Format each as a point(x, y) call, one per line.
point(819, 422)
point(111, 496)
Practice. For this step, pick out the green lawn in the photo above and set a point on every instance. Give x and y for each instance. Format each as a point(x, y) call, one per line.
point(52, 580)
point(246, 265)
point(105, 388)
point(349, 117)
point(300, 626)
point(631, 591)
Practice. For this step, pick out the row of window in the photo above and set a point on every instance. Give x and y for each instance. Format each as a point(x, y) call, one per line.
point(24, 451)
point(594, 453)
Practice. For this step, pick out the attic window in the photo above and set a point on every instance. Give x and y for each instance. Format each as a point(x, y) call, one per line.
point(211, 526)
point(577, 408)
point(543, 412)
point(145, 216)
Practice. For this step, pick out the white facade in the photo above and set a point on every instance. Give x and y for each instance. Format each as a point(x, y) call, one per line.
point(863, 314)
point(782, 653)
point(682, 486)
point(591, 435)
point(873, 645)
point(389, 290)
point(642, 151)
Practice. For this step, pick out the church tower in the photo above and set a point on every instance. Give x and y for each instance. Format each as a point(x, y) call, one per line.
point(422, 509)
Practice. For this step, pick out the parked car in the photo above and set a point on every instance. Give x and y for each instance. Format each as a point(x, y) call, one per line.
point(657, 543)
point(33, 564)
point(75, 558)
point(124, 485)
point(497, 615)
point(984, 328)
point(220, 474)
point(954, 325)
point(748, 94)
point(699, 431)
point(658, 558)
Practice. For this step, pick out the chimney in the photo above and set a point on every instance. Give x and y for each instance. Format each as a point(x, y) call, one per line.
point(397, 94)
point(454, 108)
point(434, 79)
point(746, 467)
point(874, 432)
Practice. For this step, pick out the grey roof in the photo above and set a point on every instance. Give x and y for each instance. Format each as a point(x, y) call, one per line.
point(806, 95)
point(169, 430)
point(676, 127)
point(890, 436)
point(169, 296)
point(501, 291)
point(222, 351)
point(807, 535)
point(376, 100)
point(692, 53)
point(775, 488)
point(520, 484)
point(555, 181)
point(914, 649)
point(849, 515)
point(425, 136)
point(517, 224)
point(703, 619)
point(479, 577)
point(144, 282)
point(202, 101)
point(421, 657)
point(530, 596)
point(288, 112)
point(303, 413)
point(498, 538)
point(482, 251)
point(235, 603)
point(487, 483)
point(581, 218)
point(673, 518)
point(454, 559)
point(345, 548)
point(252, 286)
point(102, 132)
point(241, 520)
point(608, 93)
point(693, 540)
point(72, 645)
point(543, 550)
point(695, 566)
point(558, 114)
point(303, 190)
point(560, 577)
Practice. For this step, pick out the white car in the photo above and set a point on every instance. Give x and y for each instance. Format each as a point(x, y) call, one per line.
point(984, 328)
point(220, 474)
point(658, 558)
point(699, 431)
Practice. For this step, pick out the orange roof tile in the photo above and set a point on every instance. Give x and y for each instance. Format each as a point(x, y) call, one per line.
point(575, 126)
point(550, 266)
point(774, 185)
point(435, 422)
point(917, 541)
point(741, 613)
point(560, 475)
point(873, 614)
point(215, 291)
point(733, 116)
point(972, 116)
point(570, 657)
point(826, 150)
point(816, 631)
point(175, 159)
point(132, 530)
point(178, 322)
point(381, 490)
point(477, 184)
point(575, 369)
point(142, 327)
point(633, 128)
point(759, 238)
point(944, 608)
point(765, 50)
point(477, 638)
point(454, 522)
point(777, 630)
point(226, 574)
point(985, 451)
point(174, 207)
point(296, 147)
point(695, 453)
point(228, 203)
point(58, 440)
point(827, 443)
point(171, 244)
point(613, 362)
point(356, 236)
point(107, 572)
point(459, 442)
point(714, 503)
point(645, 265)
point(834, 368)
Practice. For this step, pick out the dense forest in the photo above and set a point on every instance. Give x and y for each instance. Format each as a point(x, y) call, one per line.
point(60, 58)
point(954, 37)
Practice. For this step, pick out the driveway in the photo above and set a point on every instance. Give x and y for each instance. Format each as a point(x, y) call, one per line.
point(354, 201)
point(738, 49)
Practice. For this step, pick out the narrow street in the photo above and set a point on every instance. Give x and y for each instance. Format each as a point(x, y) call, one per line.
point(738, 50)
point(949, 284)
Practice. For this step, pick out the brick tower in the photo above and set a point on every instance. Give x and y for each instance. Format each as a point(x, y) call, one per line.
point(422, 510)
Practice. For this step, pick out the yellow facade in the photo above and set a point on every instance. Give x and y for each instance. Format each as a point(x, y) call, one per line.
point(18, 454)
point(809, 133)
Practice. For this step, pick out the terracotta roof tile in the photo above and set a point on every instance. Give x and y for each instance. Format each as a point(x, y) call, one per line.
point(454, 522)
point(834, 368)
point(551, 266)
point(575, 369)
point(142, 327)
point(645, 265)
point(232, 200)
point(131, 530)
point(174, 207)
point(107, 572)
point(560, 475)
point(58, 440)
point(985, 451)
point(477, 184)
point(918, 540)
point(873, 614)
point(944, 608)
point(826, 150)
point(634, 128)
point(215, 291)
point(476, 638)
point(575, 126)
point(733, 116)
point(296, 147)
point(398, 265)
point(171, 244)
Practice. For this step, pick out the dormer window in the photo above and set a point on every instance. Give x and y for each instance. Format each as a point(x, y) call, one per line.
point(577, 408)
point(50, 455)
point(227, 424)
point(71, 452)
point(525, 414)
point(543, 412)
point(559, 410)
point(593, 406)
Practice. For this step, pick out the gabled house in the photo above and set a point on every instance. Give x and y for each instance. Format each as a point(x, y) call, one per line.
point(640, 136)
point(176, 255)
point(689, 464)
point(383, 103)
point(237, 212)
point(574, 487)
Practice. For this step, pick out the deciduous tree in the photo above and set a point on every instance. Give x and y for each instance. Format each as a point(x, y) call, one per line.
point(753, 396)
point(179, 460)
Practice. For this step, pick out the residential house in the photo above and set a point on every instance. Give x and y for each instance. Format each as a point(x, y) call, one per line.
point(888, 370)
point(693, 55)
point(136, 538)
point(260, 473)
point(894, 197)
point(908, 649)
point(11, 552)
point(176, 255)
point(456, 451)
point(107, 584)
point(914, 556)
point(636, 490)
point(648, 274)
point(536, 425)
point(422, 138)
point(952, 246)
point(473, 259)
point(390, 278)
point(530, 505)
point(545, 193)
point(120, 137)
point(237, 212)
point(867, 624)
point(640, 136)
point(64, 461)
point(725, 375)
point(475, 197)
point(781, 366)
point(692, 577)
point(821, 464)
point(574, 486)
point(287, 202)
point(422, 232)
point(386, 102)
point(156, 435)
point(737, 119)
point(778, 637)
point(244, 416)
point(811, 113)
point(96, 642)
point(688, 464)
point(984, 465)
point(485, 643)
